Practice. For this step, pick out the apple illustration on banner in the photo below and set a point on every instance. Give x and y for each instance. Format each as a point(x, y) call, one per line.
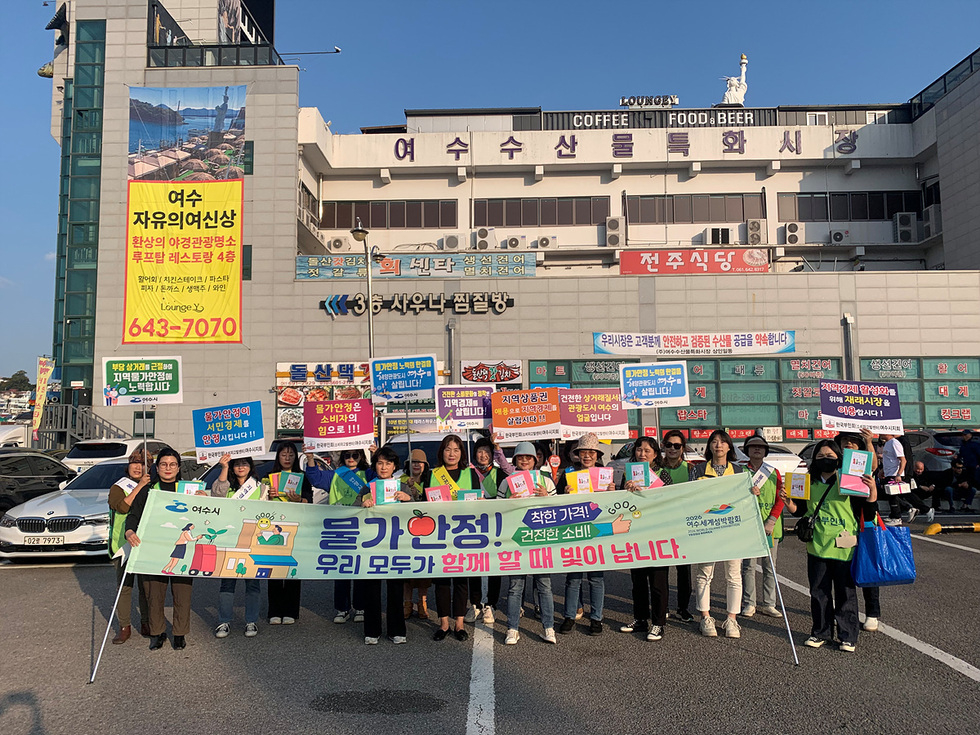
point(421, 524)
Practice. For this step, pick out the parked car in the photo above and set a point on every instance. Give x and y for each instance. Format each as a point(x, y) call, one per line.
point(87, 453)
point(429, 443)
point(73, 521)
point(935, 449)
point(27, 473)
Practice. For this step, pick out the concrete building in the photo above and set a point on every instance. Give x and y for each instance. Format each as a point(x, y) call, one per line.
point(515, 235)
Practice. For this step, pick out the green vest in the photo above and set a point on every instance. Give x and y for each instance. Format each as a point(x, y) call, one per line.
point(465, 481)
point(835, 516)
point(341, 493)
point(117, 534)
point(491, 481)
point(678, 474)
point(767, 499)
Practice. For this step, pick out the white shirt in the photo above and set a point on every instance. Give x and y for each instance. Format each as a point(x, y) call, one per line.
point(891, 457)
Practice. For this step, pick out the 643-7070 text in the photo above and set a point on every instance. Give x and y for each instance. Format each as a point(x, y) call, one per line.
point(202, 328)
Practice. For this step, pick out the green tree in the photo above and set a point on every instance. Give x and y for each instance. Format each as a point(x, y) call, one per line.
point(17, 381)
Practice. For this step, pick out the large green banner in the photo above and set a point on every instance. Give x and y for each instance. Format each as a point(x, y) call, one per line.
point(704, 521)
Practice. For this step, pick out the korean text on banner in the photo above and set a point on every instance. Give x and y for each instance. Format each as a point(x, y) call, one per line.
point(183, 262)
point(235, 429)
point(599, 410)
point(526, 415)
point(335, 425)
point(409, 378)
point(702, 344)
point(463, 406)
point(45, 366)
point(712, 520)
point(851, 406)
point(654, 385)
point(130, 381)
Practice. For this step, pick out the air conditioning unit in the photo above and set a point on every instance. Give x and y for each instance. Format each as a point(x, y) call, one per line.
point(903, 227)
point(548, 241)
point(615, 232)
point(756, 232)
point(453, 241)
point(516, 242)
point(339, 245)
point(718, 236)
point(932, 221)
point(840, 237)
point(485, 238)
point(794, 233)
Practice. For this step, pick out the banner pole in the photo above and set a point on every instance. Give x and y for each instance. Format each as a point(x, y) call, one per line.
point(108, 627)
point(408, 434)
point(782, 605)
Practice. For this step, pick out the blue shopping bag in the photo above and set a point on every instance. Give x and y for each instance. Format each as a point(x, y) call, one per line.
point(883, 556)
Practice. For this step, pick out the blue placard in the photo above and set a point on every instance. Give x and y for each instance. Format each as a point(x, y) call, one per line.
point(235, 429)
point(654, 385)
point(409, 378)
point(848, 405)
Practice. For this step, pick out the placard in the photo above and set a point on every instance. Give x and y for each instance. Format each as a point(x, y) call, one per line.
point(439, 494)
point(526, 415)
point(578, 482)
point(463, 406)
point(798, 484)
point(856, 464)
point(409, 378)
point(601, 478)
point(383, 491)
point(191, 488)
point(851, 406)
point(596, 410)
point(641, 474)
point(698, 343)
point(654, 385)
point(330, 426)
point(521, 484)
point(234, 429)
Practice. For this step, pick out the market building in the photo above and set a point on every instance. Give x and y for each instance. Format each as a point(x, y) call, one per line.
point(769, 247)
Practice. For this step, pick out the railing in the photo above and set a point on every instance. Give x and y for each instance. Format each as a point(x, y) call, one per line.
point(928, 97)
point(63, 425)
point(212, 55)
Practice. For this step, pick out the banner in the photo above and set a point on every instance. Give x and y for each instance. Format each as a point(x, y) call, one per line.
point(235, 429)
point(183, 262)
point(45, 366)
point(333, 425)
point(141, 380)
point(852, 406)
point(702, 344)
point(463, 406)
point(692, 523)
point(525, 415)
point(687, 262)
point(500, 372)
point(417, 265)
point(655, 385)
point(403, 378)
point(599, 410)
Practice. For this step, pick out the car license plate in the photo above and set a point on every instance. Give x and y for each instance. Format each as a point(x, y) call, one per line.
point(45, 541)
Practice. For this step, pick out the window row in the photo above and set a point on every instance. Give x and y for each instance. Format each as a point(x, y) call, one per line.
point(694, 208)
point(847, 206)
point(413, 215)
point(540, 212)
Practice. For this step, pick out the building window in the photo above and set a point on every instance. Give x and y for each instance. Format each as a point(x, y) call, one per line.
point(816, 118)
point(693, 208)
point(396, 215)
point(246, 262)
point(853, 206)
point(876, 117)
point(544, 212)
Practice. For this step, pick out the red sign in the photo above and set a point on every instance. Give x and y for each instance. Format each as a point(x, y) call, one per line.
point(797, 433)
point(686, 262)
point(336, 425)
point(599, 410)
point(700, 433)
point(505, 371)
point(649, 431)
point(824, 434)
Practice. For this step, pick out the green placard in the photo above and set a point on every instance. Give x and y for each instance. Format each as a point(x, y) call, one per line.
point(689, 417)
point(702, 370)
point(951, 391)
point(949, 368)
point(953, 413)
point(800, 392)
point(702, 393)
point(889, 369)
point(748, 369)
point(596, 372)
point(750, 416)
point(141, 381)
point(750, 393)
point(550, 371)
point(810, 368)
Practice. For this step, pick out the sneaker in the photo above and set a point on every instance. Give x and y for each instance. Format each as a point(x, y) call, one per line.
point(222, 631)
point(685, 616)
point(358, 616)
point(814, 642)
point(286, 620)
point(341, 617)
point(931, 515)
point(893, 521)
point(656, 633)
point(731, 628)
point(549, 635)
point(580, 613)
point(708, 627)
point(771, 611)
point(847, 647)
point(595, 627)
point(912, 514)
point(568, 624)
point(748, 611)
point(637, 626)
point(512, 637)
point(870, 624)
point(471, 614)
point(251, 630)
point(398, 639)
point(278, 621)
point(488, 616)
point(370, 641)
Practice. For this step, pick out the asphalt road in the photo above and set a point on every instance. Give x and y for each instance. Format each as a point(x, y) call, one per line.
point(319, 677)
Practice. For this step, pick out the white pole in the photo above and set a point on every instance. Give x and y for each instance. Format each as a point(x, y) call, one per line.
point(782, 606)
point(109, 626)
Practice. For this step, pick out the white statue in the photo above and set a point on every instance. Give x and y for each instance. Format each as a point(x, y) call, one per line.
point(735, 95)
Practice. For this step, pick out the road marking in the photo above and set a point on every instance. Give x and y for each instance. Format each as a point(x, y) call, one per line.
point(480, 716)
point(957, 664)
point(945, 543)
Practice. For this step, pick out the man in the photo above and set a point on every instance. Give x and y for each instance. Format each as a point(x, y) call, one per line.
point(961, 485)
point(923, 491)
point(893, 463)
point(970, 455)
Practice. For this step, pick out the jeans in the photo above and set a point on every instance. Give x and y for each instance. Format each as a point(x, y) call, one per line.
point(704, 573)
point(768, 579)
point(226, 600)
point(833, 598)
point(573, 592)
point(872, 601)
point(965, 495)
point(515, 598)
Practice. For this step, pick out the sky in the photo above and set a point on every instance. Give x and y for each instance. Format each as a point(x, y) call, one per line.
point(553, 54)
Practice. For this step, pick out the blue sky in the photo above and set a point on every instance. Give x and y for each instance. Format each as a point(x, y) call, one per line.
point(441, 53)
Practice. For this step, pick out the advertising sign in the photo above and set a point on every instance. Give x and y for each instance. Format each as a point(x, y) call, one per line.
point(702, 343)
point(45, 366)
point(141, 380)
point(234, 429)
point(687, 262)
point(417, 265)
point(498, 372)
point(599, 410)
point(654, 385)
point(463, 407)
point(333, 425)
point(403, 378)
point(851, 406)
point(526, 415)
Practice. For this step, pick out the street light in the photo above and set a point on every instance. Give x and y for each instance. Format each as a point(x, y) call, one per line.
point(360, 234)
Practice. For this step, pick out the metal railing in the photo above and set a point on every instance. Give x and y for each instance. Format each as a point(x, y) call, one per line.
point(64, 425)
point(928, 97)
point(213, 55)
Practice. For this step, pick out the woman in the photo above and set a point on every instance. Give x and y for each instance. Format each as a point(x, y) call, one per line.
point(284, 594)
point(650, 595)
point(384, 463)
point(674, 444)
point(525, 460)
point(771, 507)
point(180, 548)
point(833, 595)
point(121, 497)
point(242, 474)
point(490, 479)
point(412, 480)
point(168, 472)
point(720, 459)
point(451, 594)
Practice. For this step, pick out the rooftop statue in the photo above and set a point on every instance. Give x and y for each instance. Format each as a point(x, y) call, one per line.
point(735, 94)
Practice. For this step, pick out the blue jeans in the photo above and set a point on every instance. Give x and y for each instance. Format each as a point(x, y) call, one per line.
point(515, 598)
point(226, 600)
point(573, 591)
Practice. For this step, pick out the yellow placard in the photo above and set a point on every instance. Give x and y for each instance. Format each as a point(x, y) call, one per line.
point(183, 262)
point(798, 484)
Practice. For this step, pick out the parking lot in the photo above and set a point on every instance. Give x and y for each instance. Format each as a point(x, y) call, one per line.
point(920, 673)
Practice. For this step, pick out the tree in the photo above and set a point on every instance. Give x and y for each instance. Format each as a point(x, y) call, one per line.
point(17, 381)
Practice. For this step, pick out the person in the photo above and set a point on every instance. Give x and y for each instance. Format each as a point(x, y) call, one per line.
point(893, 462)
point(226, 486)
point(412, 479)
point(451, 593)
point(384, 463)
point(771, 507)
point(586, 454)
point(121, 497)
point(960, 486)
point(969, 454)
point(720, 458)
point(180, 548)
point(525, 460)
point(926, 484)
point(168, 471)
point(674, 444)
point(490, 479)
point(284, 594)
point(650, 592)
point(833, 595)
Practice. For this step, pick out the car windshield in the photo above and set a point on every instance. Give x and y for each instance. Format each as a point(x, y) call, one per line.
point(97, 450)
point(100, 477)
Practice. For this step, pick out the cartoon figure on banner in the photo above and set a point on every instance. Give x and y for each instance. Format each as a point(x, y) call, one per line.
point(111, 393)
point(180, 548)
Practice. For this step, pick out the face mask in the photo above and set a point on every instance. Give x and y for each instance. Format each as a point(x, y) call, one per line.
point(825, 465)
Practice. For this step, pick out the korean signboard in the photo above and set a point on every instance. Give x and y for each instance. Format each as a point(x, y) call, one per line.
point(852, 406)
point(526, 415)
point(686, 262)
point(704, 343)
point(141, 380)
point(496, 372)
point(403, 378)
point(444, 265)
point(463, 406)
point(298, 382)
point(598, 410)
point(234, 429)
point(334, 425)
point(475, 302)
point(654, 385)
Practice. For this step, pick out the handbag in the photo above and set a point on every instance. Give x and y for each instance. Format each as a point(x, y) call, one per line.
point(883, 556)
point(806, 524)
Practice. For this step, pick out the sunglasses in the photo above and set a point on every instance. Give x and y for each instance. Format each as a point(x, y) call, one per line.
point(672, 445)
point(350, 455)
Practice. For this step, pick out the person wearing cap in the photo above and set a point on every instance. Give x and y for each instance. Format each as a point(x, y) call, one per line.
point(121, 497)
point(525, 459)
point(767, 484)
point(588, 454)
point(490, 479)
point(412, 481)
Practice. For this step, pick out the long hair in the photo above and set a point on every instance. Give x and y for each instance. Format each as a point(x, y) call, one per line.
point(820, 445)
point(723, 435)
point(233, 478)
point(450, 439)
point(277, 467)
point(362, 463)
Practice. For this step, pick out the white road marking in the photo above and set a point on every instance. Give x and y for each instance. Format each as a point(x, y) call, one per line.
point(944, 543)
point(480, 716)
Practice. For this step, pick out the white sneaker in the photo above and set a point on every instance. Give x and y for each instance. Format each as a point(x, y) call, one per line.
point(488, 616)
point(748, 611)
point(221, 631)
point(341, 617)
point(814, 642)
point(399, 639)
point(870, 625)
point(912, 514)
point(251, 630)
point(275, 621)
point(286, 620)
point(369, 641)
point(847, 647)
point(931, 515)
point(549, 635)
point(893, 521)
point(731, 628)
point(708, 629)
point(512, 637)
point(471, 613)
point(771, 611)
point(358, 616)
point(656, 633)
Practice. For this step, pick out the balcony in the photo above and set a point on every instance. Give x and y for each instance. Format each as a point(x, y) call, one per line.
point(212, 55)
